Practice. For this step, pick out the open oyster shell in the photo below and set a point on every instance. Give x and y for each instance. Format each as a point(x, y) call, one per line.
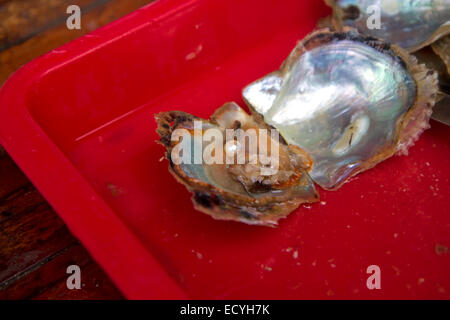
point(240, 192)
point(442, 49)
point(410, 24)
point(350, 101)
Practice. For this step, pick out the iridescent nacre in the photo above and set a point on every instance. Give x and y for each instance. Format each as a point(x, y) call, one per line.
point(412, 24)
point(237, 191)
point(348, 100)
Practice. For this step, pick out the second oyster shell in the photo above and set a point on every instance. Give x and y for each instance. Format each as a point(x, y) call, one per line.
point(350, 101)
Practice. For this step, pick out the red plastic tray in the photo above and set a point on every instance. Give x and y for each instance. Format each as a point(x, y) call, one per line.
point(79, 122)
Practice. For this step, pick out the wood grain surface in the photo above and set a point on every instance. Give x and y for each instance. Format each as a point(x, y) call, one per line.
point(35, 246)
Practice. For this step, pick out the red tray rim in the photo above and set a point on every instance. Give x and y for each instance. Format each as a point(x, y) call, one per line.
point(134, 270)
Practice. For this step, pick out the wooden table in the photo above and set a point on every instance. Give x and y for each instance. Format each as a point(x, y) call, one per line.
point(35, 246)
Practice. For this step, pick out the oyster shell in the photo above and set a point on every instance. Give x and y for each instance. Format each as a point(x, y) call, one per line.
point(350, 101)
point(437, 57)
point(410, 24)
point(421, 27)
point(441, 112)
point(442, 49)
point(236, 191)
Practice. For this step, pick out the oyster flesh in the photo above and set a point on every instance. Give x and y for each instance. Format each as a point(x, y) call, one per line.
point(350, 101)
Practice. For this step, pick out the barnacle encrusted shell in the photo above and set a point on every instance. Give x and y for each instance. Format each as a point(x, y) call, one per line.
point(410, 24)
point(237, 191)
point(350, 101)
